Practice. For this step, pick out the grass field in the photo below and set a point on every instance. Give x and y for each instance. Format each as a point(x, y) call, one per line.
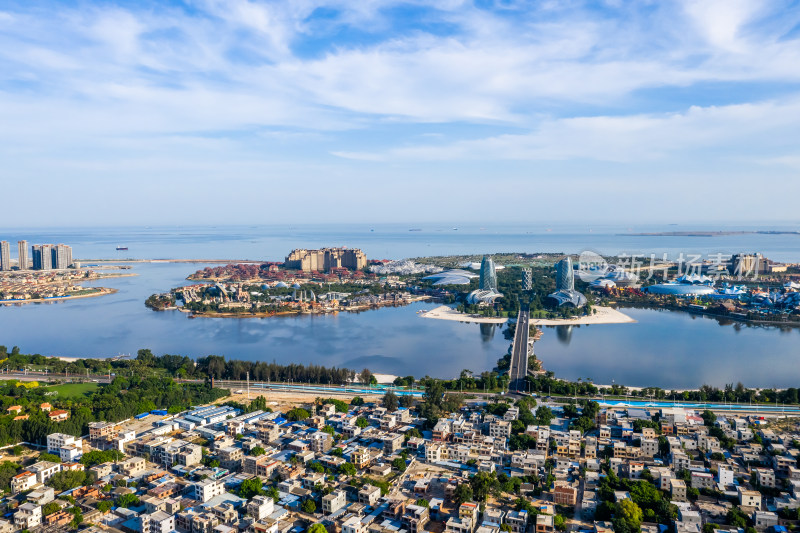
point(73, 390)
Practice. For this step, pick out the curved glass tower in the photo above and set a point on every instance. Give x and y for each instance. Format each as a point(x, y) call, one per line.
point(488, 279)
point(565, 277)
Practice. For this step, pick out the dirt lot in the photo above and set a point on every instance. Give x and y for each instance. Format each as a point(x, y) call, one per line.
point(285, 400)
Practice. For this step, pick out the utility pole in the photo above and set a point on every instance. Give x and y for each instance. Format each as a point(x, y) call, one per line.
point(248, 385)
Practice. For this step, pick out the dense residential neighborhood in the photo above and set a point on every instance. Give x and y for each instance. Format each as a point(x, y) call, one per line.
point(494, 464)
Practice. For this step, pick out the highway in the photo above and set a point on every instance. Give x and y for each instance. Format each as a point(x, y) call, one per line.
point(519, 352)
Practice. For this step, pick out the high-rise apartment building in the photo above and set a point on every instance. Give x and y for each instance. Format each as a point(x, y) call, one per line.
point(326, 259)
point(42, 257)
point(61, 256)
point(22, 248)
point(5, 256)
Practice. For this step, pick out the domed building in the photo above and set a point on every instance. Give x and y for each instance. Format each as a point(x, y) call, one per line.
point(565, 286)
point(487, 284)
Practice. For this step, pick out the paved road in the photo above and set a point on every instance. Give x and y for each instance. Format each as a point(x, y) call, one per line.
point(519, 352)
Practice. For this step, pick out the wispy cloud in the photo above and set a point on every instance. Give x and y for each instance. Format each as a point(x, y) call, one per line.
point(289, 84)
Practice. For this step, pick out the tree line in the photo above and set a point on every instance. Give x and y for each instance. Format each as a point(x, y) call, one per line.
point(121, 399)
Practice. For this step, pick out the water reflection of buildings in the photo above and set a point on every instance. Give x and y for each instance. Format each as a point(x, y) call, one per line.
point(564, 334)
point(487, 331)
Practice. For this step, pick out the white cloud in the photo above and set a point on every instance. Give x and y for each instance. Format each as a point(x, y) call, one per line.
point(741, 131)
point(359, 156)
point(272, 91)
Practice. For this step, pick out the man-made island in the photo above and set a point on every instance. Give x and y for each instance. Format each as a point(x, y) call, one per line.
point(35, 286)
point(46, 273)
point(308, 282)
point(556, 289)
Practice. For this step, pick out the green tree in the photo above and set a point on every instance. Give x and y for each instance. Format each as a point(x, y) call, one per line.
point(317, 528)
point(347, 469)
point(297, 414)
point(629, 514)
point(341, 407)
point(69, 479)
point(362, 422)
point(736, 517)
point(560, 522)
point(104, 506)
point(365, 377)
point(544, 415)
point(250, 487)
point(7, 471)
point(50, 508)
point(309, 506)
point(49, 457)
point(390, 401)
point(483, 484)
point(463, 493)
point(257, 451)
point(127, 500)
point(96, 457)
point(399, 464)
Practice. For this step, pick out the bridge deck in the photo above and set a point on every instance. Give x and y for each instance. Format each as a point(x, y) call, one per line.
point(519, 352)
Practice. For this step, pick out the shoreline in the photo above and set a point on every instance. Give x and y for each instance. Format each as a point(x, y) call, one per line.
point(102, 292)
point(444, 312)
point(604, 315)
point(273, 314)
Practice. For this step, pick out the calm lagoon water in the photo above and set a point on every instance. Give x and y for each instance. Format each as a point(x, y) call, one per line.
point(662, 348)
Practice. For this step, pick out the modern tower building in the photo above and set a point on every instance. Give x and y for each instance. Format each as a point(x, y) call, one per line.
point(5, 256)
point(565, 286)
point(61, 256)
point(527, 279)
point(42, 257)
point(22, 248)
point(488, 279)
point(565, 276)
point(487, 284)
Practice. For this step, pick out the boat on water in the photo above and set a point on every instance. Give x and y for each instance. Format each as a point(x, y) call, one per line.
point(122, 248)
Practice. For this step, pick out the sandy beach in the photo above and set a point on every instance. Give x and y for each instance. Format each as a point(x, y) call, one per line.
point(604, 315)
point(444, 312)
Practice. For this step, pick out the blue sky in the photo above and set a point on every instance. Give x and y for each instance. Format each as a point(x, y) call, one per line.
point(245, 111)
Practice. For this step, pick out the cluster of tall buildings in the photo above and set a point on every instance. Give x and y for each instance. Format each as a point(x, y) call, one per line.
point(326, 259)
point(43, 256)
